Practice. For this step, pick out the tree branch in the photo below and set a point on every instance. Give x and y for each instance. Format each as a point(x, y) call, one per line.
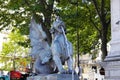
point(98, 11)
point(103, 13)
point(108, 22)
point(92, 20)
point(102, 8)
point(27, 2)
point(96, 7)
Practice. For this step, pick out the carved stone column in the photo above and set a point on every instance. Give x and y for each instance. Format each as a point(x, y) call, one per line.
point(112, 61)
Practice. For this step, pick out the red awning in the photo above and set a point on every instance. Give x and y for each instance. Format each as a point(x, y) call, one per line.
point(15, 74)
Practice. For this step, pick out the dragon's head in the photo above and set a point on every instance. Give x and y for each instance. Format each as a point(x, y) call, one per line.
point(57, 24)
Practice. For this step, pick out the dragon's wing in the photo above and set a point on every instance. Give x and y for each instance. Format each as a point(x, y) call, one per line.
point(36, 33)
point(37, 37)
point(40, 47)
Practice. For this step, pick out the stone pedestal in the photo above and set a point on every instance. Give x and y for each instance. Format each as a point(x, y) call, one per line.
point(112, 70)
point(53, 77)
point(112, 61)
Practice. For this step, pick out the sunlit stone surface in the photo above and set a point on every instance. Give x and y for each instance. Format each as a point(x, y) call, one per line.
point(54, 77)
point(112, 61)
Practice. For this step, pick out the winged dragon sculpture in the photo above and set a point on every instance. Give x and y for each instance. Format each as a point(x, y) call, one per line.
point(50, 59)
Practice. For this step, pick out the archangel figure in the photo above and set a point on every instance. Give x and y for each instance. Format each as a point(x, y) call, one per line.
point(50, 59)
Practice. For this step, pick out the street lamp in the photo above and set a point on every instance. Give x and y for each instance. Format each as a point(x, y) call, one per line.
point(13, 59)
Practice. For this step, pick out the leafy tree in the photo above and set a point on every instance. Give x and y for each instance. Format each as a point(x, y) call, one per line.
point(101, 21)
point(18, 14)
point(80, 18)
point(12, 53)
point(89, 21)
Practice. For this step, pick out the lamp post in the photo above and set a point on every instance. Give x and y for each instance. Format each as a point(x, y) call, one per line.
point(14, 57)
point(14, 61)
point(75, 2)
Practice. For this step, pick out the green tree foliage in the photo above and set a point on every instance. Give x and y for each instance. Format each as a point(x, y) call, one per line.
point(12, 51)
point(101, 21)
point(19, 12)
point(87, 21)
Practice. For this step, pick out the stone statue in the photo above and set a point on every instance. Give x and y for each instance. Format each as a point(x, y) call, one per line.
point(50, 59)
point(61, 48)
point(40, 50)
